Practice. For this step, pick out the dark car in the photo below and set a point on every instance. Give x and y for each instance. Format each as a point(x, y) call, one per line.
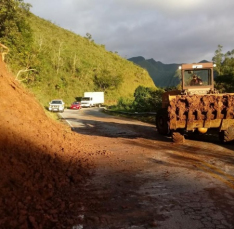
point(76, 105)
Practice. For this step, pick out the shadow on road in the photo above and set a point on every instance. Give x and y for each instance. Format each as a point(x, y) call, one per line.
point(115, 130)
point(133, 130)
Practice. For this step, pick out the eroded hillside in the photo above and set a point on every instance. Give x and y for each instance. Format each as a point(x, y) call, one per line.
point(43, 164)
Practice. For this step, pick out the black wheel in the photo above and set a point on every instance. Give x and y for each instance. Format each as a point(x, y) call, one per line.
point(227, 135)
point(162, 122)
point(177, 137)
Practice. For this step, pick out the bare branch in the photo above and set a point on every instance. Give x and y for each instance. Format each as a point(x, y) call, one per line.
point(4, 53)
point(20, 71)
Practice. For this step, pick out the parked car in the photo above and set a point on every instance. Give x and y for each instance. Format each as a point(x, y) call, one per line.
point(57, 105)
point(76, 105)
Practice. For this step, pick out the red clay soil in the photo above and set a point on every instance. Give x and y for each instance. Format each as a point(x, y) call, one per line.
point(43, 164)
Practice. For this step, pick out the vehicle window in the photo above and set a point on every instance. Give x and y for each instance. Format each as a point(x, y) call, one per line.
point(197, 77)
point(86, 99)
point(56, 102)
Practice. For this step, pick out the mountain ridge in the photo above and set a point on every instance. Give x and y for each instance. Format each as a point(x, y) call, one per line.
point(163, 75)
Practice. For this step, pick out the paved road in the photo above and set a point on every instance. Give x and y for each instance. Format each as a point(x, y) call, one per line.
point(143, 180)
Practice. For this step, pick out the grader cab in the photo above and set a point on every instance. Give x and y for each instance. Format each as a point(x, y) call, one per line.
point(197, 107)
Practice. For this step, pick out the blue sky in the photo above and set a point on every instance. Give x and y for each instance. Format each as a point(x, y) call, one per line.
point(170, 31)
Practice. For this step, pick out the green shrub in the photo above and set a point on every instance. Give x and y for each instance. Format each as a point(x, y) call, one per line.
point(147, 99)
point(124, 104)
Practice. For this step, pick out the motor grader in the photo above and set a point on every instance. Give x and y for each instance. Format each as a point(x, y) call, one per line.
point(197, 107)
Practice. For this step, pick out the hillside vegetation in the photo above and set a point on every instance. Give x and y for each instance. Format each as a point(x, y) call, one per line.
point(57, 63)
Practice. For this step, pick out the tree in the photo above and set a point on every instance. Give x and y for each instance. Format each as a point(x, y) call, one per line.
point(107, 81)
point(218, 59)
point(15, 31)
point(89, 37)
point(228, 63)
point(12, 17)
point(225, 70)
point(225, 83)
point(147, 99)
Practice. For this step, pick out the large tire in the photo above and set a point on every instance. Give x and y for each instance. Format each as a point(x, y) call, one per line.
point(177, 137)
point(162, 122)
point(227, 135)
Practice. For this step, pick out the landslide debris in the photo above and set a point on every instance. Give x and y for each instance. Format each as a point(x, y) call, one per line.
point(43, 164)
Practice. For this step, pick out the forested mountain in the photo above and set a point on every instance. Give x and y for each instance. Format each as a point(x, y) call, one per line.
point(163, 75)
point(56, 63)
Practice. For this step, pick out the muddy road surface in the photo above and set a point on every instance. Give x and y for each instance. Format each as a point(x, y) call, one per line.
point(142, 180)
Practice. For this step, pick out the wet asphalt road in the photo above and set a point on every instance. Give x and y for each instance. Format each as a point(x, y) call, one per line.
point(143, 180)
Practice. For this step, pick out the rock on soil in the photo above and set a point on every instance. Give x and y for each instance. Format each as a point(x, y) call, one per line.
point(43, 164)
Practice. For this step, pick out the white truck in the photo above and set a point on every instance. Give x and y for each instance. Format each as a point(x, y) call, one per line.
point(91, 99)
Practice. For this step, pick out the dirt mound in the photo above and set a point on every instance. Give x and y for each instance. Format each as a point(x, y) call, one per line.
point(43, 163)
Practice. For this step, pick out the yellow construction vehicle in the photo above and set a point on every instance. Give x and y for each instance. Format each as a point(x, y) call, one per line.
point(197, 106)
